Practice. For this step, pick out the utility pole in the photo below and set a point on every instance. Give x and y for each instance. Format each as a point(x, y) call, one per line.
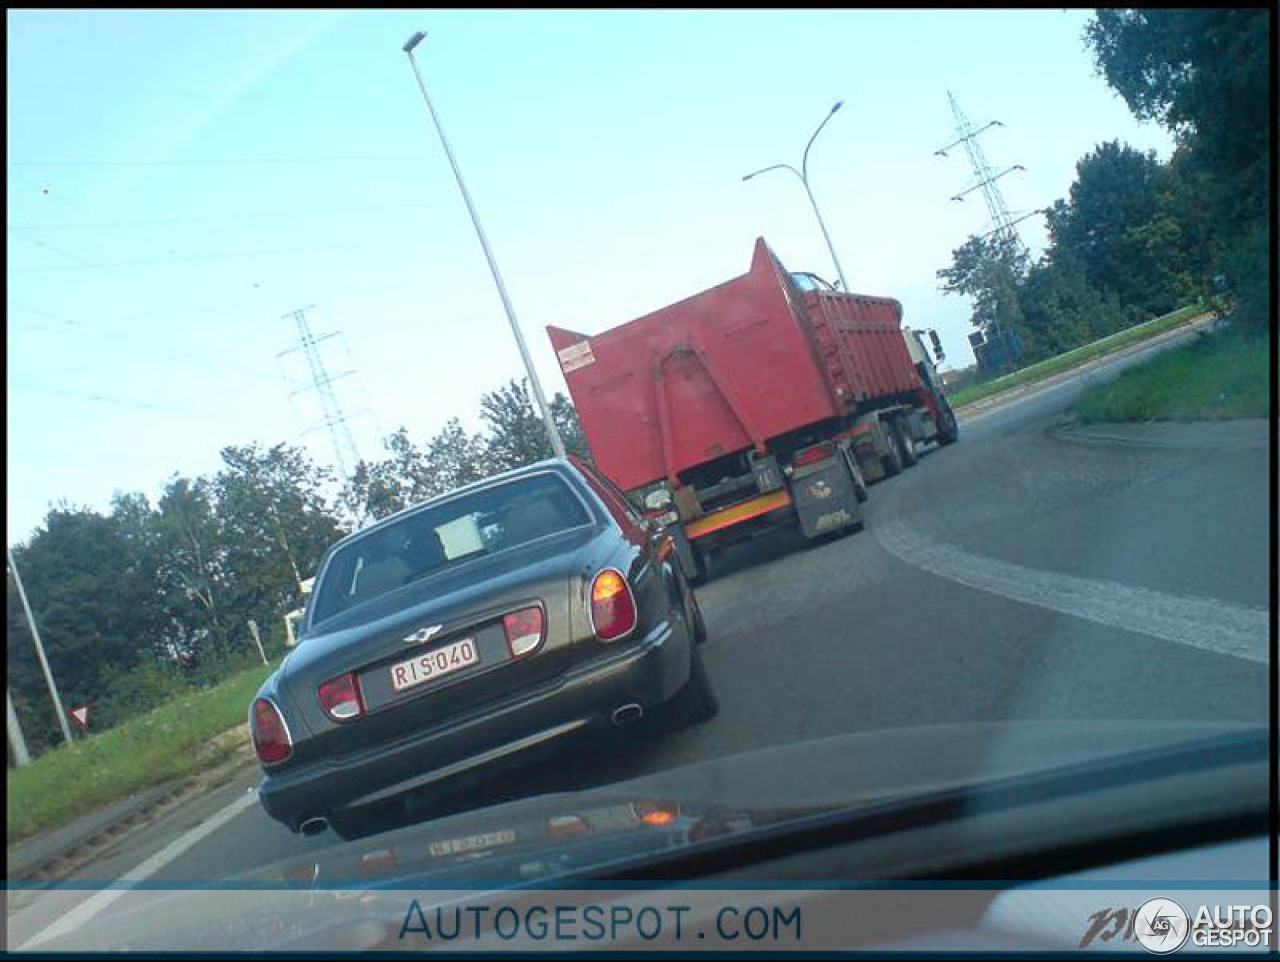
point(44, 662)
point(1003, 224)
point(553, 433)
point(345, 456)
point(16, 741)
point(984, 179)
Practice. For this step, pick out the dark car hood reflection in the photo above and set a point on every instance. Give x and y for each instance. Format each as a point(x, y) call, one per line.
point(586, 832)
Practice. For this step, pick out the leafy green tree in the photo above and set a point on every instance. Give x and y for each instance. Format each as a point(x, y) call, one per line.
point(1206, 75)
point(91, 584)
point(516, 433)
point(989, 270)
point(454, 457)
point(192, 573)
point(1121, 224)
point(274, 527)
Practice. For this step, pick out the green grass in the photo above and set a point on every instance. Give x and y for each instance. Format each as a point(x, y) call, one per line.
point(1217, 377)
point(167, 742)
point(1078, 356)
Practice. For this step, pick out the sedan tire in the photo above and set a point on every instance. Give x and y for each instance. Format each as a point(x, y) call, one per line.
point(697, 701)
point(693, 611)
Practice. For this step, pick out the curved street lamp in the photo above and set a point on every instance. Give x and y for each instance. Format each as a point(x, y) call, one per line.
point(803, 174)
point(553, 434)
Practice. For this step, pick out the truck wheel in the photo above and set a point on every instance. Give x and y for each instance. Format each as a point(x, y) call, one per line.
point(697, 701)
point(905, 445)
point(859, 485)
point(892, 460)
point(702, 566)
point(948, 431)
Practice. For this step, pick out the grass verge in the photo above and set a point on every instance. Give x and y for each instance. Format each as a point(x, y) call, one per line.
point(1078, 356)
point(1217, 377)
point(172, 740)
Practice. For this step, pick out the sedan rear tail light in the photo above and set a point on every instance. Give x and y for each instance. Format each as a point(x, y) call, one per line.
point(268, 732)
point(819, 452)
point(613, 606)
point(340, 697)
point(524, 630)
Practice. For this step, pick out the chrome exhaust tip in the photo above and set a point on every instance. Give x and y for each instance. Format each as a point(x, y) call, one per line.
point(625, 714)
point(313, 826)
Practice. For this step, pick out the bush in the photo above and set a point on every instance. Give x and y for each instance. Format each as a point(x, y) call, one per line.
point(137, 691)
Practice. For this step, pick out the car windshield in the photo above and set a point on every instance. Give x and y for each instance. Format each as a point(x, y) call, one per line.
point(559, 434)
point(431, 539)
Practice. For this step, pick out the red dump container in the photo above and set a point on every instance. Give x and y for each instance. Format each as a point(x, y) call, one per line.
point(729, 369)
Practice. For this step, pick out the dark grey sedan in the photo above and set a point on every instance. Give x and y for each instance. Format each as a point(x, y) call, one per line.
point(464, 632)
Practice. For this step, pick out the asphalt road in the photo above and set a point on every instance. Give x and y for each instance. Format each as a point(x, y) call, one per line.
point(1020, 573)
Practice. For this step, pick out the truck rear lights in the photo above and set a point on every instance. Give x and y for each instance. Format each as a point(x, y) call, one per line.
point(269, 733)
point(613, 606)
point(340, 697)
point(524, 630)
point(814, 454)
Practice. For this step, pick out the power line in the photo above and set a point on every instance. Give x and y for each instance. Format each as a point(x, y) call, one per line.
point(178, 221)
point(226, 255)
point(219, 161)
point(103, 399)
point(95, 330)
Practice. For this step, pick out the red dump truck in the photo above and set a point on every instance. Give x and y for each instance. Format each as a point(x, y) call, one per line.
point(772, 399)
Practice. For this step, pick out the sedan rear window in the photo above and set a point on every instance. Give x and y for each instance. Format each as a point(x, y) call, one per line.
point(431, 539)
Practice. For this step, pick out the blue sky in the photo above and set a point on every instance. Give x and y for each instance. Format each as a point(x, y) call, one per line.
point(178, 181)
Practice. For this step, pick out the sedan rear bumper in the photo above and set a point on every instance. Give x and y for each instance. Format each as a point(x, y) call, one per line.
point(649, 673)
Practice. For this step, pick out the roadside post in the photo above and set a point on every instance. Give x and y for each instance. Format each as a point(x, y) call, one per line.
point(257, 639)
point(16, 742)
point(44, 662)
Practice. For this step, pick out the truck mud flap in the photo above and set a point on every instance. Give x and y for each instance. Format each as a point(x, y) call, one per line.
point(825, 499)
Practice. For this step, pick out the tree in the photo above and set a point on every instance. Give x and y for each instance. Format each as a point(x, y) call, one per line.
point(274, 528)
point(192, 572)
point(91, 583)
point(455, 457)
point(989, 270)
point(517, 435)
point(1121, 226)
point(1205, 74)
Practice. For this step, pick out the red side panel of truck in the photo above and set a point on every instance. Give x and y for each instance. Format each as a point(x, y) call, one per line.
point(727, 370)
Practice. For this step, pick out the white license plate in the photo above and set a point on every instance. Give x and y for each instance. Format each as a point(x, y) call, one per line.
point(472, 843)
point(434, 664)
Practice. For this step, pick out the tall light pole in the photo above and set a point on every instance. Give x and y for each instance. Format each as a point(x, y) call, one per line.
point(554, 435)
point(803, 174)
point(44, 662)
point(17, 743)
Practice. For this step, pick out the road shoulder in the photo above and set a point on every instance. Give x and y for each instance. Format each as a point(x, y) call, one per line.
point(1242, 434)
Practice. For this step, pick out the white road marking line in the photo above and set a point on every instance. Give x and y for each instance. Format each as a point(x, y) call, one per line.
point(92, 906)
point(1215, 626)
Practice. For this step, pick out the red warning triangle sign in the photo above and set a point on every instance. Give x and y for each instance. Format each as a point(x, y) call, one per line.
point(80, 715)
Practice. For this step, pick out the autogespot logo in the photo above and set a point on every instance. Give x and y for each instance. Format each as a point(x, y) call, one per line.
point(1161, 925)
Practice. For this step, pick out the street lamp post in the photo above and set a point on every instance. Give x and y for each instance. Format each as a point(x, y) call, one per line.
point(35, 637)
point(557, 445)
point(803, 174)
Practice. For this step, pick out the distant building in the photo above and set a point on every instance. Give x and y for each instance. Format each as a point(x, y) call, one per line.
point(958, 374)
